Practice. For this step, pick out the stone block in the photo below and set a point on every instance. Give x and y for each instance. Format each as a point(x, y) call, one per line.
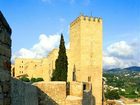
point(55, 92)
point(1, 99)
point(6, 101)
point(5, 38)
point(1, 61)
point(1, 96)
point(1, 102)
point(5, 51)
point(4, 75)
point(6, 87)
point(76, 89)
point(2, 50)
point(2, 37)
point(0, 89)
point(23, 94)
point(73, 100)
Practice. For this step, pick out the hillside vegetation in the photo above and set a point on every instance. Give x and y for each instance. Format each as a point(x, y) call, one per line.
point(126, 82)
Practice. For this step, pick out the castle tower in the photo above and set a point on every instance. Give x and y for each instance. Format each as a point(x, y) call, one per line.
point(86, 53)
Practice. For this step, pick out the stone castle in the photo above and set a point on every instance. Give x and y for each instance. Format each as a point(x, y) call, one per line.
point(84, 85)
point(84, 57)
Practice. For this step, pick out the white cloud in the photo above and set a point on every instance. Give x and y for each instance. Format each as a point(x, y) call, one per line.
point(45, 44)
point(122, 54)
point(39, 50)
point(121, 48)
point(117, 55)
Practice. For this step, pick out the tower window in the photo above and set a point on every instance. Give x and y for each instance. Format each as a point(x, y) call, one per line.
point(89, 78)
point(84, 86)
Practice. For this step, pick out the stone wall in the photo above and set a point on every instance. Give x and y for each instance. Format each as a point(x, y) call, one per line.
point(23, 93)
point(54, 93)
point(74, 100)
point(5, 65)
point(76, 89)
point(51, 93)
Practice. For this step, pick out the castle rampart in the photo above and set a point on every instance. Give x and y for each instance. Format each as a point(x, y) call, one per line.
point(55, 93)
point(5, 64)
point(87, 19)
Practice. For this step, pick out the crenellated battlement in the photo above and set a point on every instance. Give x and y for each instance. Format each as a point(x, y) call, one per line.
point(87, 19)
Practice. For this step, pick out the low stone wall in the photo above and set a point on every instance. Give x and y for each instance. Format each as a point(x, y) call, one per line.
point(51, 93)
point(76, 89)
point(23, 94)
point(5, 65)
point(54, 93)
point(74, 100)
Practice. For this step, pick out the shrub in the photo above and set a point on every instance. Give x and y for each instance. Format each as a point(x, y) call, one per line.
point(39, 79)
point(36, 79)
point(33, 79)
point(25, 79)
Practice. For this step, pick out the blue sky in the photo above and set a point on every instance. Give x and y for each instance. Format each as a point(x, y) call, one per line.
point(31, 19)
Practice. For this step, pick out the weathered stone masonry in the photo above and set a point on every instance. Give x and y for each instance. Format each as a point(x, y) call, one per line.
point(5, 65)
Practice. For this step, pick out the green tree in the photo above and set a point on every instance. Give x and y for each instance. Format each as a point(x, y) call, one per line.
point(61, 63)
point(36, 79)
point(25, 79)
point(112, 94)
point(33, 79)
point(39, 79)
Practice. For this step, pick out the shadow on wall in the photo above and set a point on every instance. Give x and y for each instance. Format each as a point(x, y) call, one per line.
point(44, 99)
point(23, 93)
point(93, 100)
point(88, 98)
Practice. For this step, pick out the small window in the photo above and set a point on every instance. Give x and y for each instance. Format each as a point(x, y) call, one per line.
point(84, 86)
point(84, 18)
point(22, 61)
point(89, 78)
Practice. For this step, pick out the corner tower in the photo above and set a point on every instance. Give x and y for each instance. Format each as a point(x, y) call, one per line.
point(86, 53)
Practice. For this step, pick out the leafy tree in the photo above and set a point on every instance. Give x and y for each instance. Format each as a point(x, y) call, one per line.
point(61, 63)
point(112, 94)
